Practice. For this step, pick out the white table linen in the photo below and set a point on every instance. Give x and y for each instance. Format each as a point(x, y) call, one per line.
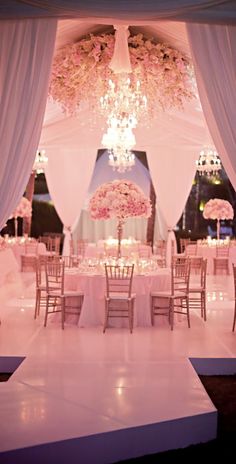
point(19, 249)
point(209, 252)
point(93, 287)
point(9, 267)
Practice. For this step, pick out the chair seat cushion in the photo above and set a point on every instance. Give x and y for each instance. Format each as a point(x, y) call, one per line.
point(120, 296)
point(167, 294)
point(73, 293)
point(57, 293)
point(196, 289)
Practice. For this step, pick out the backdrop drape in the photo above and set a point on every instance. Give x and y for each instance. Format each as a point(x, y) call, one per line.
point(216, 11)
point(214, 56)
point(26, 50)
point(68, 175)
point(172, 159)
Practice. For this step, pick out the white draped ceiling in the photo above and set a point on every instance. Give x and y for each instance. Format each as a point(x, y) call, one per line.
point(174, 141)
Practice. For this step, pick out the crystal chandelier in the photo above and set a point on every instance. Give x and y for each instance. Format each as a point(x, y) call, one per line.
point(123, 99)
point(209, 162)
point(40, 162)
point(119, 140)
point(123, 107)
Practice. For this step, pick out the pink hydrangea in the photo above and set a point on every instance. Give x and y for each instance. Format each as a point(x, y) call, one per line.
point(218, 209)
point(81, 72)
point(120, 199)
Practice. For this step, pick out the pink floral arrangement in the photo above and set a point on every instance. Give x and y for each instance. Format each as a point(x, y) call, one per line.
point(81, 72)
point(24, 209)
point(218, 209)
point(120, 199)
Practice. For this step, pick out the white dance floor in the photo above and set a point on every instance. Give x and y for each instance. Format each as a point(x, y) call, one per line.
point(83, 396)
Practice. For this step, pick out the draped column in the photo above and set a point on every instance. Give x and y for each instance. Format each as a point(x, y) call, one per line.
point(172, 175)
point(26, 50)
point(214, 56)
point(68, 176)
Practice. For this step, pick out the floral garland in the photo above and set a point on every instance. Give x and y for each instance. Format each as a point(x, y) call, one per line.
point(218, 209)
point(119, 199)
point(81, 72)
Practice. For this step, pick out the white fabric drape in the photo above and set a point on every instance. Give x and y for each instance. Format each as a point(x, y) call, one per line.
point(120, 62)
point(26, 50)
point(68, 175)
point(172, 155)
point(214, 54)
point(172, 180)
point(221, 11)
point(93, 231)
point(71, 144)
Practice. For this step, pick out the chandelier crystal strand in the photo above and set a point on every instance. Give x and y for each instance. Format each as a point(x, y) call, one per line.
point(123, 108)
point(209, 162)
point(40, 162)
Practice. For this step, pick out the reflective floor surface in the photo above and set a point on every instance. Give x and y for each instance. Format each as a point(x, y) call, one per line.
point(115, 395)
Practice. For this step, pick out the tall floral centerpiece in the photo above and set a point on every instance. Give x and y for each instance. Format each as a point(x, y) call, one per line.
point(24, 209)
point(218, 209)
point(119, 199)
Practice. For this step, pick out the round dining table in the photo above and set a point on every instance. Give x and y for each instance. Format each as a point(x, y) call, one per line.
point(209, 252)
point(94, 285)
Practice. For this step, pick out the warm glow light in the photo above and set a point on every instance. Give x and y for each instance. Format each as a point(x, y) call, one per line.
point(209, 162)
point(40, 162)
point(123, 106)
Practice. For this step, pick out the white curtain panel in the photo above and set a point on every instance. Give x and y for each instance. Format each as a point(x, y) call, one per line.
point(172, 171)
point(172, 150)
point(71, 144)
point(26, 50)
point(214, 55)
point(68, 175)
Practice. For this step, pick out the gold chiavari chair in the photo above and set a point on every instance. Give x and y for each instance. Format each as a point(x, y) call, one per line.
point(221, 260)
point(119, 299)
point(197, 286)
point(58, 299)
point(176, 300)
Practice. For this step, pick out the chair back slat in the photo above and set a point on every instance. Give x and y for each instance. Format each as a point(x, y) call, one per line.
point(31, 248)
point(180, 273)
point(119, 279)
point(55, 272)
point(222, 251)
point(191, 249)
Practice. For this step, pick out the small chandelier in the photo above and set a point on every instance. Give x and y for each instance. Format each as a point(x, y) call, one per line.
point(119, 140)
point(209, 162)
point(40, 162)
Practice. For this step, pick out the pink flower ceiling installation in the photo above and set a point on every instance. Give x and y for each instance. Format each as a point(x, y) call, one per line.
point(24, 209)
point(81, 72)
point(119, 199)
point(218, 209)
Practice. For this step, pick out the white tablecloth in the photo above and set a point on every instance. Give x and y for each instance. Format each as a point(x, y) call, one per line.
point(19, 249)
point(93, 287)
point(209, 252)
point(9, 267)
